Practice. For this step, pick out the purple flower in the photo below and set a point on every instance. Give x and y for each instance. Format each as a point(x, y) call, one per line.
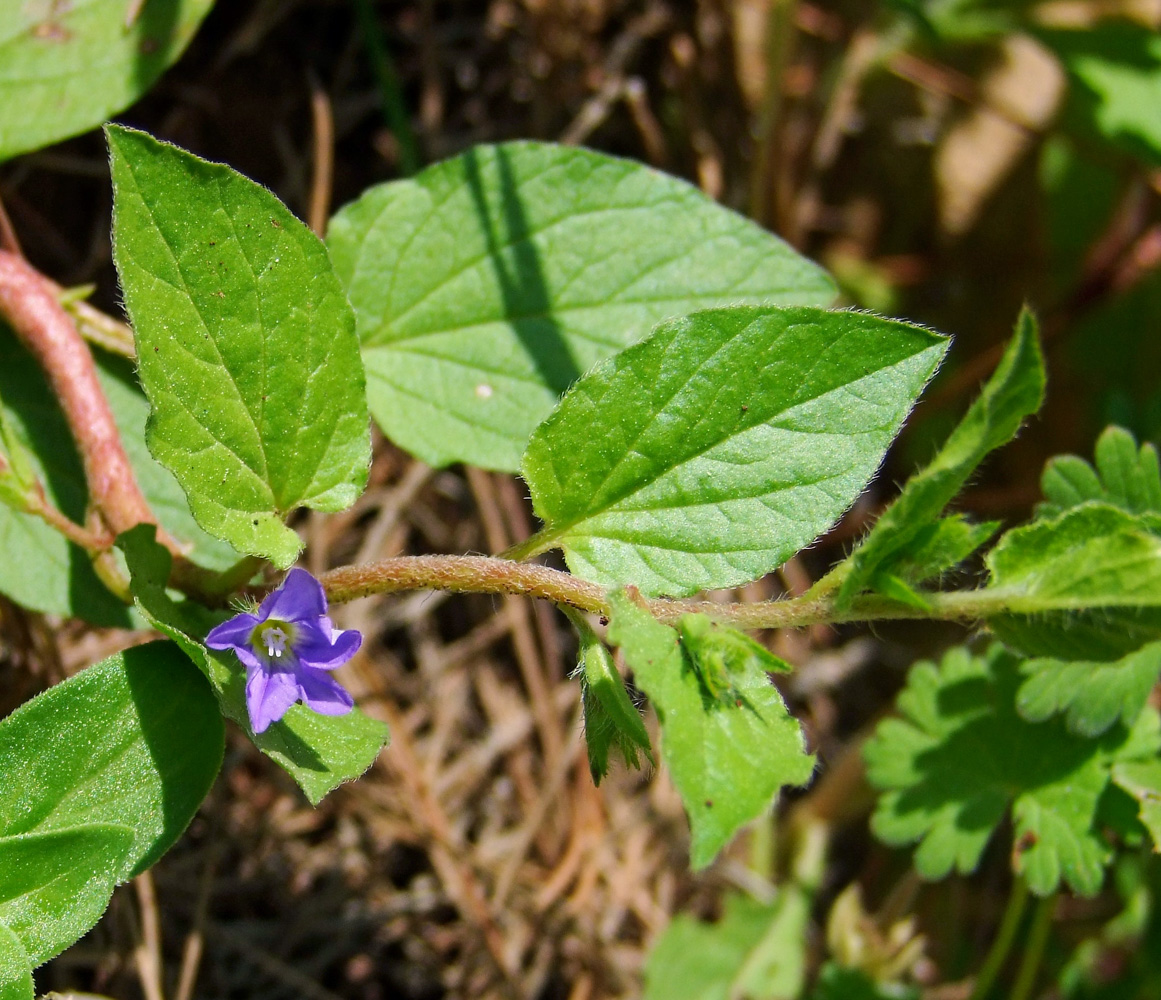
point(287, 649)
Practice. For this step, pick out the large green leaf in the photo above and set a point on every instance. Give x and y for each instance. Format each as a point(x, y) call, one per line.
point(1014, 391)
point(246, 346)
point(710, 453)
point(15, 968)
point(55, 886)
point(728, 761)
point(489, 283)
point(961, 756)
point(319, 751)
point(66, 67)
point(1084, 585)
point(135, 741)
point(756, 950)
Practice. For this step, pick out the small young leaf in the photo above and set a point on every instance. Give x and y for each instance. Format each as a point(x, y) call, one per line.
point(1142, 780)
point(727, 761)
point(246, 345)
point(1014, 391)
point(319, 751)
point(1093, 695)
point(55, 886)
point(611, 718)
point(15, 968)
point(711, 452)
point(69, 66)
point(754, 950)
point(1085, 585)
point(961, 756)
point(718, 653)
point(1125, 476)
point(941, 546)
point(487, 284)
point(135, 741)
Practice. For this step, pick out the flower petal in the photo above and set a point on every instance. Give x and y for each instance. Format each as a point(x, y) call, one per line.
point(269, 695)
point(323, 693)
point(233, 632)
point(298, 598)
point(313, 649)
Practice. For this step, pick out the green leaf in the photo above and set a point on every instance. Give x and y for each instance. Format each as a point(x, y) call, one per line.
point(487, 284)
point(68, 66)
point(961, 756)
point(1115, 70)
point(941, 546)
point(1085, 585)
point(710, 453)
point(135, 740)
point(718, 653)
point(166, 498)
point(1125, 476)
point(15, 968)
point(1093, 695)
point(1015, 390)
point(1142, 780)
point(246, 346)
point(319, 751)
point(55, 886)
point(727, 761)
point(55, 577)
point(756, 951)
point(611, 718)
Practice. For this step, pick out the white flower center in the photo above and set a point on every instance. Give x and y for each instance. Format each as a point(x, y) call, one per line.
point(274, 639)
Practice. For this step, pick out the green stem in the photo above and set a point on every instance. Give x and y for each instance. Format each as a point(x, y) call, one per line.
point(1002, 944)
point(1034, 949)
point(394, 109)
point(542, 541)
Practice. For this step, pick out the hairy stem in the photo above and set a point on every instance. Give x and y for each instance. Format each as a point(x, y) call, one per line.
point(490, 575)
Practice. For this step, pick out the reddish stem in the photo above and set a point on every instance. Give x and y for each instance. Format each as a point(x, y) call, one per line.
point(28, 303)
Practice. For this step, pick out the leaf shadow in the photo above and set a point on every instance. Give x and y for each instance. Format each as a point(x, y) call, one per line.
point(520, 273)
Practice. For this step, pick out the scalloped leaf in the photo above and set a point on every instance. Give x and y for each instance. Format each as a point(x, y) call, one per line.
point(1093, 696)
point(961, 757)
point(1125, 476)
